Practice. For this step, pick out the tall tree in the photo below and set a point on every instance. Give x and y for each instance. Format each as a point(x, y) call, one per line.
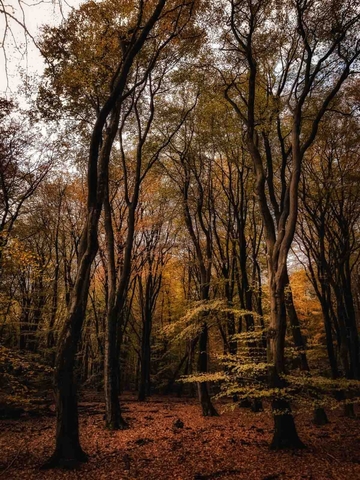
point(68, 449)
point(328, 232)
point(284, 95)
point(23, 166)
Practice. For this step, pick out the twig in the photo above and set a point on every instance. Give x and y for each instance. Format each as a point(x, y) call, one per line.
point(336, 460)
point(13, 460)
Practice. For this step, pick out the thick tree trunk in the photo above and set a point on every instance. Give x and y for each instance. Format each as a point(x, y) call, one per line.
point(68, 451)
point(320, 417)
point(285, 433)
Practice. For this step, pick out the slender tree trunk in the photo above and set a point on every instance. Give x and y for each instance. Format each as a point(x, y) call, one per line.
point(169, 386)
point(320, 417)
point(114, 419)
point(50, 340)
point(144, 389)
point(24, 322)
point(295, 328)
point(207, 407)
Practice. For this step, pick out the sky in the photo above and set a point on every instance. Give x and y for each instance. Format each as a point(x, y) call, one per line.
point(18, 52)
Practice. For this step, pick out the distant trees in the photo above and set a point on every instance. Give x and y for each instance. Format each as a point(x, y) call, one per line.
point(166, 248)
point(22, 166)
point(329, 238)
point(157, 239)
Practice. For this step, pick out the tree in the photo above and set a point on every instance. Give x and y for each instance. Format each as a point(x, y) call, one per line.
point(281, 100)
point(20, 171)
point(193, 170)
point(68, 450)
point(328, 232)
point(157, 241)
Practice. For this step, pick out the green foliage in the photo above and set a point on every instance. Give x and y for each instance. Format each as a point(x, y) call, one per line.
point(246, 375)
point(189, 325)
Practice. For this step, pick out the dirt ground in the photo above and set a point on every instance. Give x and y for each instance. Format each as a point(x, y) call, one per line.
point(232, 446)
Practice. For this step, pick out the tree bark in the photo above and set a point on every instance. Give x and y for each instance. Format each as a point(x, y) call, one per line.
point(144, 388)
point(285, 433)
point(208, 409)
point(68, 451)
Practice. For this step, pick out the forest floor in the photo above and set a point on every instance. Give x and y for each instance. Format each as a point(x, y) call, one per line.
point(232, 446)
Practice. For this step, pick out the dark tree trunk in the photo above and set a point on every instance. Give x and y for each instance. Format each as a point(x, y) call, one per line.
point(285, 433)
point(295, 328)
point(170, 384)
point(329, 337)
point(144, 388)
point(349, 410)
point(204, 259)
point(50, 339)
point(208, 409)
point(24, 324)
point(320, 417)
point(68, 451)
point(114, 419)
point(35, 318)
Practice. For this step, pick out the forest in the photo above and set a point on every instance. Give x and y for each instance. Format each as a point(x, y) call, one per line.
point(180, 242)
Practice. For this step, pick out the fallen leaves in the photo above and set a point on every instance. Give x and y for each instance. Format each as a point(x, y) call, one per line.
point(169, 439)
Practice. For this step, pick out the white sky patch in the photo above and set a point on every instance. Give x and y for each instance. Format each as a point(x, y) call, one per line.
point(18, 52)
